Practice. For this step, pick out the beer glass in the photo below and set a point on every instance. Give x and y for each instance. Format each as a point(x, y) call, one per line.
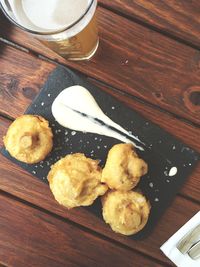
point(76, 41)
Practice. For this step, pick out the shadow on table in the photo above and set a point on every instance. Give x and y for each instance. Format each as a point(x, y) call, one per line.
point(5, 31)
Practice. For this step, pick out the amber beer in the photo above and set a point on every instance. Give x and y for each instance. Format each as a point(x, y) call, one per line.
point(68, 27)
point(81, 46)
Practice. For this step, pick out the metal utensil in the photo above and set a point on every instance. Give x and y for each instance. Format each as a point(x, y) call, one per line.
point(189, 240)
point(194, 252)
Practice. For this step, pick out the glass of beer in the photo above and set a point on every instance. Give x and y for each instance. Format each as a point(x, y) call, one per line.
point(68, 27)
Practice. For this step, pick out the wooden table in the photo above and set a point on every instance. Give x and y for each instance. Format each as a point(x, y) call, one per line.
point(149, 58)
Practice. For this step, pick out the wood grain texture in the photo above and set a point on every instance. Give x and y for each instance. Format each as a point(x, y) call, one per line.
point(171, 221)
point(134, 59)
point(29, 237)
point(17, 182)
point(21, 77)
point(18, 87)
point(179, 18)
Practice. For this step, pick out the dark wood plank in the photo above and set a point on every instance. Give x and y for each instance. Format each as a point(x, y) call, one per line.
point(21, 77)
point(178, 18)
point(19, 189)
point(17, 182)
point(20, 85)
point(30, 237)
point(134, 59)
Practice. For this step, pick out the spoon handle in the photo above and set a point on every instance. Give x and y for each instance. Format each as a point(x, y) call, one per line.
point(194, 252)
point(189, 240)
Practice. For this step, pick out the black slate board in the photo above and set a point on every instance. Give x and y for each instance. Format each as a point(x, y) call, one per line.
point(162, 152)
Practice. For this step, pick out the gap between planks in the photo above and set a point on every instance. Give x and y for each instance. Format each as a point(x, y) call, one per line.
point(85, 229)
point(143, 101)
point(150, 26)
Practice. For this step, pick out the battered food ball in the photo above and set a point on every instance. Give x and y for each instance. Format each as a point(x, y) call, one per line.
point(126, 212)
point(123, 168)
point(29, 139)
point(76, 181)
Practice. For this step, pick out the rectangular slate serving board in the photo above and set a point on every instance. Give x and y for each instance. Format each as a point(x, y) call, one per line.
point(162, 152)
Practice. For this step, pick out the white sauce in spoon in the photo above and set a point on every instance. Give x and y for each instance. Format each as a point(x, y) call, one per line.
point(74, 100)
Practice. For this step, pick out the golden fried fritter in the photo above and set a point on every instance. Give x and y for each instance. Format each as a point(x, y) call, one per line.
point(126, 212)
point(76, 181)
point(29, 139)
point(123, 168)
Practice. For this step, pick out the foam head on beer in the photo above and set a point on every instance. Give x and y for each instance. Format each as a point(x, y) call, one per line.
point(48, 15)
point(49, 21)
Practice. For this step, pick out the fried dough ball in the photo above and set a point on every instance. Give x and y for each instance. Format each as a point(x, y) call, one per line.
point(76, 181)
point(126, 212)
point(29, 139)
point(123, 168)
